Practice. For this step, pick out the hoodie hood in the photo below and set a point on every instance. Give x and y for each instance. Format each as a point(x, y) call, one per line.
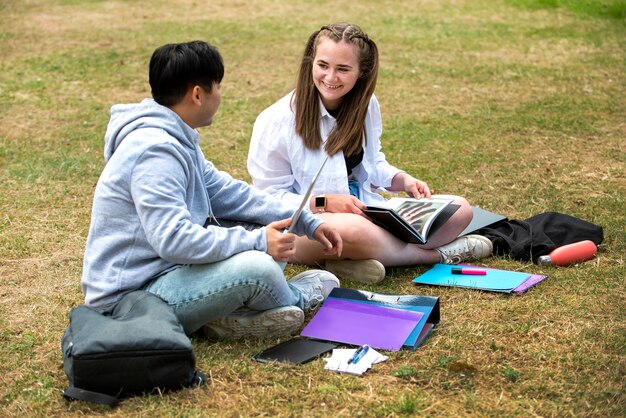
point(127, 118)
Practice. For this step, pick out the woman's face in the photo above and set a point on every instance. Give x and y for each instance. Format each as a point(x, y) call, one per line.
point(335, 70)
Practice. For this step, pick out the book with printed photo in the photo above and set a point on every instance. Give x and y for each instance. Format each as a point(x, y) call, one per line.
point(412, 220)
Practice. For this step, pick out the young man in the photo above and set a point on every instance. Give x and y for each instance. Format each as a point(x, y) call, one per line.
point(149, 227)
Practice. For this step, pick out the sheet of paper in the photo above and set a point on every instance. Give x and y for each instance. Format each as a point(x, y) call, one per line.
point(339, 361)
point(358, 323)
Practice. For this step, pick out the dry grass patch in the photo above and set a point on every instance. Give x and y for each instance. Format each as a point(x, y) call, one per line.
point(519, 107)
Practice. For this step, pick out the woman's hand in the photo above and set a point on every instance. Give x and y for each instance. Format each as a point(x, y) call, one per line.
point(404, 182)
point(342, 203)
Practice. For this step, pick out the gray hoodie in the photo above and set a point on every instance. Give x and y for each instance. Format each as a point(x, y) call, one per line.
point(153, 198)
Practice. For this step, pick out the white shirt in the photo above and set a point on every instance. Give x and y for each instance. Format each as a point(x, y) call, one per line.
point(280, 164)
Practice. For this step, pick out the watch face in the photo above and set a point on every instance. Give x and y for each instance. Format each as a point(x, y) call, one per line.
point(320, 201)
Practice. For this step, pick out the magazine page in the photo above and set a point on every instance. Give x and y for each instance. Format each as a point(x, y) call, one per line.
point(419, 213)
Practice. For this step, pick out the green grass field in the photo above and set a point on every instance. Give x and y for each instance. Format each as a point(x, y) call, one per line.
point(518, 105)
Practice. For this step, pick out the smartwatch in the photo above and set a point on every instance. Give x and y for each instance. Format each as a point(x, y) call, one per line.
point(320, 202)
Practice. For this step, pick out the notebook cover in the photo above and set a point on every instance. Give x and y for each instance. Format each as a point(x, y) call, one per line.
point(423, 335)
point(481, 219)
point(531, 281)
point(351, 322)
point(428, 305)
point(495, 280)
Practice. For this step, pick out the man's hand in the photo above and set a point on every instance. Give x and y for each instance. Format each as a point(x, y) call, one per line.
point(280, 245)
point(330, 239)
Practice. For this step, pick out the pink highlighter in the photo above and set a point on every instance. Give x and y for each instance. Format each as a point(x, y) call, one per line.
point(465, 270)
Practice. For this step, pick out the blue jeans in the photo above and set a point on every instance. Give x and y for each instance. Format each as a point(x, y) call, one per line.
point(353, 185)
point(201, 293)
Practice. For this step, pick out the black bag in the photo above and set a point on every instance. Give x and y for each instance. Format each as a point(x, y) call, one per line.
point(539, 235)
point(134, 346)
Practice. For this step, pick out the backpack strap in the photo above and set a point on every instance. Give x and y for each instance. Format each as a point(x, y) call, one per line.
point(73, 393)
point(198, 379)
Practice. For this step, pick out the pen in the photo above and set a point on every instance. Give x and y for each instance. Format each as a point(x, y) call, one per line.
point(458, 270)
point(358, 354)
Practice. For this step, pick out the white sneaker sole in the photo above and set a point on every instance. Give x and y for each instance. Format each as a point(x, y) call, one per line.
point(271, 323)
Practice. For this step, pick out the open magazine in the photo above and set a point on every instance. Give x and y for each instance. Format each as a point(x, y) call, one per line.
point(412, 220)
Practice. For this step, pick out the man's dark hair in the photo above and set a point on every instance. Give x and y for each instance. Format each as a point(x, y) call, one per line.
point(176, 67)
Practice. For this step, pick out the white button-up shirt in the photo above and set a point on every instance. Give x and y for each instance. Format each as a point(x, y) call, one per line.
point(280, 164)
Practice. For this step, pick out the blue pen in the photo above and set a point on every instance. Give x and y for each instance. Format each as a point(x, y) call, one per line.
point(358, 354)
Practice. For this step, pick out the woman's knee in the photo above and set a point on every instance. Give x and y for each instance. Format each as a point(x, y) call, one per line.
point(464, 213)
point(352, 228)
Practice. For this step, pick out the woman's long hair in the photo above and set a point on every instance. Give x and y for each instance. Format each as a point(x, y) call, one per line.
point(348, 134)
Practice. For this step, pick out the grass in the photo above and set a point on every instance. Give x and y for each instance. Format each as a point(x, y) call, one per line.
point(516, 104)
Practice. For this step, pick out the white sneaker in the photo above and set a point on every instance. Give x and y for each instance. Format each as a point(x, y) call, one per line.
point(363, 271)
point(275, 322)
point(469, 247)
point(315, 286)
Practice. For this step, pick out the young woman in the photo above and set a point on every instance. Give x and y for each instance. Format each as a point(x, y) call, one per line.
point(333, 112)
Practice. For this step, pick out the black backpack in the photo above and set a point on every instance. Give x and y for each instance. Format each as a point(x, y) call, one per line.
point(539, 235)
point(134, 346)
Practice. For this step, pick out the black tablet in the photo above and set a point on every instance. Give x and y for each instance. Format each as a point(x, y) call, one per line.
point(296, 351)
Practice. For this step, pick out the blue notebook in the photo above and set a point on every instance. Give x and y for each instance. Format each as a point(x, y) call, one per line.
point(495, 280)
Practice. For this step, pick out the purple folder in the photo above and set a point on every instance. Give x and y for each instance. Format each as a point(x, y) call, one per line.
point(358, 323)
point(531, 281)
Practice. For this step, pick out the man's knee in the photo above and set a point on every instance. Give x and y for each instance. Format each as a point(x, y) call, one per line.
point(259, 265)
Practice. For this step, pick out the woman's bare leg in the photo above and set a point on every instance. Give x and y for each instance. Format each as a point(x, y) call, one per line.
point(363, 239)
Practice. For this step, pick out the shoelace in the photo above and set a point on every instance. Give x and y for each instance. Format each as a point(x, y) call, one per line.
point(315, 302)
point(456, 255)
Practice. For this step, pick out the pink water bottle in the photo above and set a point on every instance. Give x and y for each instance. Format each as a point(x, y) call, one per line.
point(569, 254)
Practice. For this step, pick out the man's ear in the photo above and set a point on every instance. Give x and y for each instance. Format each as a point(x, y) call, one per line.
point(196, 95)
